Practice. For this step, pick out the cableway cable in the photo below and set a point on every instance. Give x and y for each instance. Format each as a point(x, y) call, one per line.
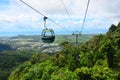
point(85, 15)
point(66, 9)
point(44, 15)
point(32, 8)
point(58, 24)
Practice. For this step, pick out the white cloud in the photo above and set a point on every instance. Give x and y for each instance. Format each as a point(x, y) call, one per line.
point(101, 14)
point(7, 19)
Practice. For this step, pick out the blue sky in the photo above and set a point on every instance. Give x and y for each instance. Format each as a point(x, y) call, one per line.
point(4, 2)
point(18, 19)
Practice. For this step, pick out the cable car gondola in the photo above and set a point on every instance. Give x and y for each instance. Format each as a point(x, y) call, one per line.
point(48, 35)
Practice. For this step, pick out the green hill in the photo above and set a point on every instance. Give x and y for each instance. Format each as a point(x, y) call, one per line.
point(9, 59)
point(5, 47)
point(97, 59)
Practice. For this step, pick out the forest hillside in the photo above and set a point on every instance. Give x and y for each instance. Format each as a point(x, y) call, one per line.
point(97, 59)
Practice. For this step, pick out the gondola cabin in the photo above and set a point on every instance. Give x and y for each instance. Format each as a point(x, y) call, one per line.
point(48, 36)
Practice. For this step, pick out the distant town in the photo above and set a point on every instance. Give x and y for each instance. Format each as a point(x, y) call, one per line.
point(34, 42)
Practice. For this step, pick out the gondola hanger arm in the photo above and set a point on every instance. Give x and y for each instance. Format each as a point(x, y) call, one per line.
point(44, 18)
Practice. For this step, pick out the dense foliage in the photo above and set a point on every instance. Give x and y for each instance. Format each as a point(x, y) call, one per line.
point(97, 59)
point(9, 59)
point(5, 47)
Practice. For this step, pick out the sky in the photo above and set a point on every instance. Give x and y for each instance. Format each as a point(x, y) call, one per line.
point(18, 19)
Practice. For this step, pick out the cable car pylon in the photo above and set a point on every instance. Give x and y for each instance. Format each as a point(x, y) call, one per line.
point(77, 33)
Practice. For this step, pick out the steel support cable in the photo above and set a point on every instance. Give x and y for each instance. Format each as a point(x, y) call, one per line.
point(85, 15)
point(32, 8)
point(43, 15)
point(66, 9)
point(58, 25)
